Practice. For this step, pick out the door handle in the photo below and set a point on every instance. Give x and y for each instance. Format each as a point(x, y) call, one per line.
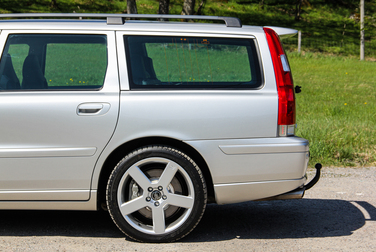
point(93, 108)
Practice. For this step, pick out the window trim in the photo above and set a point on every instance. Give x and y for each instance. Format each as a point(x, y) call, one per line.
point(111, 78)
point(257, 64)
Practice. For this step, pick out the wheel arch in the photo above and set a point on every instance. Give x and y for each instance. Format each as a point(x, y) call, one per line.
point(117, 154)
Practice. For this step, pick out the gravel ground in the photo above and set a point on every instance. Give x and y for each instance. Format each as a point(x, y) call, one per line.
point(338, 214)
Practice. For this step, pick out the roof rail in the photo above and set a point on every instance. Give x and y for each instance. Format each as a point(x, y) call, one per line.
point(119, 19)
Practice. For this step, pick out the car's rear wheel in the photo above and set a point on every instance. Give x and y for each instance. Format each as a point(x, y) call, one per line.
point(156, 194)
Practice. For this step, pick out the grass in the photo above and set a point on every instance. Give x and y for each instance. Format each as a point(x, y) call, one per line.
point(67, 65)
point(195, 62)
point(76, 64)
point(336, 110)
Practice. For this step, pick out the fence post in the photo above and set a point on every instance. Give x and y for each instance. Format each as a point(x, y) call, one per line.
point(299, 41)
point(361, 29)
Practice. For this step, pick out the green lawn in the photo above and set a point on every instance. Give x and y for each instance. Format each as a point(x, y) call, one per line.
point(336, 110)
point(67, 65)
point(197, 63)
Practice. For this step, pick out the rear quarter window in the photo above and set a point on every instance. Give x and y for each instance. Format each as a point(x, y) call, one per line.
point(192, 63)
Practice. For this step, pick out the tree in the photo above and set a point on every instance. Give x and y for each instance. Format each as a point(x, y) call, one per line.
point(262, 2)
point(298, 11)
point(131, 7)
point(53, 4)
point(188, 7)
point(198, 12)
point(164, 6)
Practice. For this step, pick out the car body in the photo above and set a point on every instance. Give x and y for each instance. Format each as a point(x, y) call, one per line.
point(111, 115)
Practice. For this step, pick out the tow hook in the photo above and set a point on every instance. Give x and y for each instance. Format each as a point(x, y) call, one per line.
point(311, 183)
point(299, 192)
point(298, 89)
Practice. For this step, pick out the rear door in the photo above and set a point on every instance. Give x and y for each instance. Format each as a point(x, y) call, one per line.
point(59, 102)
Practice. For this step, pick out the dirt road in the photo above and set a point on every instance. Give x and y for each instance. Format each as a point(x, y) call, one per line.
point(338, 214)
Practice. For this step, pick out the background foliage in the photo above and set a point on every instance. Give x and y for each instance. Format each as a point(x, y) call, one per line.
point(330, 26)
point(332, 23)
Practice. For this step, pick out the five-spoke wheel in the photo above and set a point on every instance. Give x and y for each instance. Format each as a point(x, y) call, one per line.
point(156, 194)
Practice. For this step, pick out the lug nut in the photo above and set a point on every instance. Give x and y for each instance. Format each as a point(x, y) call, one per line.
point(156, 204)
point(164, 197)
point(148, 199)
point(160, 188)
point(150, 189)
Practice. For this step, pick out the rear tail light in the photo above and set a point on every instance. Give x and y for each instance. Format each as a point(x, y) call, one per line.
point(285, 85)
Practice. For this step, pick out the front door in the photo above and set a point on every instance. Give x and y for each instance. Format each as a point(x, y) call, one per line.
point(59, 101)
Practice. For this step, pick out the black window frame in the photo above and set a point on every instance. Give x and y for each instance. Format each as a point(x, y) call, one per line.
point(42, 51)
point(255, 64)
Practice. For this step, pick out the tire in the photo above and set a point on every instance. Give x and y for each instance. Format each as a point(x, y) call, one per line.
point(156, 194)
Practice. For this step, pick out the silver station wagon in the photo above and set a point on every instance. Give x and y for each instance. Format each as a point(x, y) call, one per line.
point(148, 120)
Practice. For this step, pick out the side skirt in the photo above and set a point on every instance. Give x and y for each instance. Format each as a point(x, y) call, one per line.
point(89, 205)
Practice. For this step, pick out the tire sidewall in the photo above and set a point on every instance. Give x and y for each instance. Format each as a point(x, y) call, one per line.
point(190, 168)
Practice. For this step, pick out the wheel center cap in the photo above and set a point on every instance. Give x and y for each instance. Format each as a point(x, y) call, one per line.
point(156, 195)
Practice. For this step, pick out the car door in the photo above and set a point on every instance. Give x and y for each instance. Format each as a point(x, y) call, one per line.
point(59, 102)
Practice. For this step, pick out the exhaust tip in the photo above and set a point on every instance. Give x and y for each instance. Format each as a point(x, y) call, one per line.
point(295, 194)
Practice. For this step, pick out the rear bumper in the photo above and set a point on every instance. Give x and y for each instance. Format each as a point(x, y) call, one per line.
point(227, 194)
point(253, 169)
point(299, 192)
point(241, 192)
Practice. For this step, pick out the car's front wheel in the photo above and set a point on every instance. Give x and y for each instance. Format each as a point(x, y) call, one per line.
point(156, 194)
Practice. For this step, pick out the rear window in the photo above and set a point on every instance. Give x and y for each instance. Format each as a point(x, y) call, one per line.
point(192, 63)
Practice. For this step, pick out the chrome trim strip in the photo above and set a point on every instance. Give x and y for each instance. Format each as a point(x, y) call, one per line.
point(47, 152)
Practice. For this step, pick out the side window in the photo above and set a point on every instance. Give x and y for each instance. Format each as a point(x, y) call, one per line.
point(11, 66)
point(19, 53)
point(192, 63)
point(53, 62)
point(75, 65)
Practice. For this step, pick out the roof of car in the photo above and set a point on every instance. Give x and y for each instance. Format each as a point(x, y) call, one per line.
point(106, 22)
point(142, 26)
point(120, 18)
